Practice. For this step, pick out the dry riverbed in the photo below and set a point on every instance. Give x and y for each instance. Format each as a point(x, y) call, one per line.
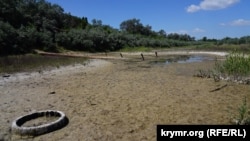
point(119, 99)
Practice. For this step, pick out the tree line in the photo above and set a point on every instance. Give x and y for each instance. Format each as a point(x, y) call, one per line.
point(26, 25)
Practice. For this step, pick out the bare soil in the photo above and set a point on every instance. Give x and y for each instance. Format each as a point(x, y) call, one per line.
point(119, 99)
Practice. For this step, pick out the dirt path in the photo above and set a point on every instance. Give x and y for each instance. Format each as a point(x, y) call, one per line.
point(120, 99)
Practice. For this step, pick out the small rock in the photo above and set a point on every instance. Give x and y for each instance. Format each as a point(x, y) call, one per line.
point(52, 92)
point(51, 106)
point(248, 81)
point(6, 75)
point(132, 131)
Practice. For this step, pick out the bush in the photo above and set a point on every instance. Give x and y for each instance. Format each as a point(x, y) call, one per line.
point(236, 65)
point(28, 37)
point(235, 68)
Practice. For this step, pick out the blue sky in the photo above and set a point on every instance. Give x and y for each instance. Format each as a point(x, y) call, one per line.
point(198, 18)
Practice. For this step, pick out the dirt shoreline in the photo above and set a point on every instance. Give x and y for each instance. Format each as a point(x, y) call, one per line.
point(120, 99)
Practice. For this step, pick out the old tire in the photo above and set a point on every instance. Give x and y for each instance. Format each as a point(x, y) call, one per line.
point(17, 127)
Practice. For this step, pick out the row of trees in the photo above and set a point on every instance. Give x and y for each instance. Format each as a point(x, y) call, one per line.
point(228, 40)
point(26, 25)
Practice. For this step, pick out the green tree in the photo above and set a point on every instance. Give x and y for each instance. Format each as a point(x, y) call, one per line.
point(9, 12)
point(132, 26)
point(162, 33)
point(8, 39)
point(96, 22)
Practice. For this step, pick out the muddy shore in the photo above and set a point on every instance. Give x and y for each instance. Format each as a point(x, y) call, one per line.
point(119, 99)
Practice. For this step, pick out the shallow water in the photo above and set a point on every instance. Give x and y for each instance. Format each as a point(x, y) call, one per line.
point(183, 59)
point(195, 59)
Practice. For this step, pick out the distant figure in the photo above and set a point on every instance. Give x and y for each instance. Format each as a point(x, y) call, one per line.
point(156, 54)
point(121, 55)
point(142, 56)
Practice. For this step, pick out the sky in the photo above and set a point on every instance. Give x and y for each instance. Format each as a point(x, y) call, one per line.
point(198, 18)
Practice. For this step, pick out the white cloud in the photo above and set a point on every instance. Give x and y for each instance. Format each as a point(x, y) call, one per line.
point(239, 22)
point(211, 5)
point(198, 30)
point(223, 24)
point(193, 8)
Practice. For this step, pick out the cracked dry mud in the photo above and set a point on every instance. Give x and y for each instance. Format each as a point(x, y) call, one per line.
point(119, 99)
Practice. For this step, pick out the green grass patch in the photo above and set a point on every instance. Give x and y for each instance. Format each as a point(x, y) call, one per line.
point(136, 49)
point(224, 47)
point(34, 62)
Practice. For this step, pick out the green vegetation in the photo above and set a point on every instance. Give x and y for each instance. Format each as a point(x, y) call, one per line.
point(235, 68)
point(224, 47)
point(136, 49)
point(236, 65)
point(38, 24)
point(244, 116)
point(19, 63)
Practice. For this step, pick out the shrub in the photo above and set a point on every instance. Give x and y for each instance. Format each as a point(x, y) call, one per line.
point(236, 65)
